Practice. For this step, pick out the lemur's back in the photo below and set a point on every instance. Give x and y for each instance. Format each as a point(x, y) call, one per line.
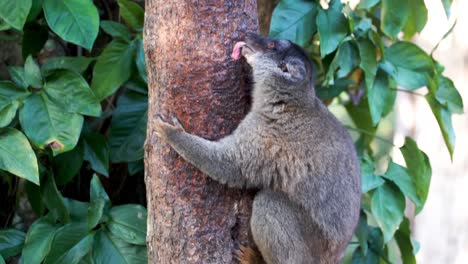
point(307, 155)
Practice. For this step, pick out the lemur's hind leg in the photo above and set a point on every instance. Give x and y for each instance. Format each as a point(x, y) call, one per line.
point(276, 229)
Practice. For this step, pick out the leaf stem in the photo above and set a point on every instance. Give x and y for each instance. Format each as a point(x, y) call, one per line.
point(363, 131)
point(444, 37)
point(407, 91)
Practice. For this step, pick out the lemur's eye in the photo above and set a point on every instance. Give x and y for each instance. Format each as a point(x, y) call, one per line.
point(283, 67)
point(271, 45)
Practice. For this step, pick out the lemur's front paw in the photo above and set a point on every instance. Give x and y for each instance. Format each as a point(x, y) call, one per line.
point(164, 129)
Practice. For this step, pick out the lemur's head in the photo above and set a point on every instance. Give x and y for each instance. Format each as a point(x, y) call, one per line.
point(275, 61)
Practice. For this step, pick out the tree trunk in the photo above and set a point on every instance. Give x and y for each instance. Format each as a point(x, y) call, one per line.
point(192, 219)
point(265, 10)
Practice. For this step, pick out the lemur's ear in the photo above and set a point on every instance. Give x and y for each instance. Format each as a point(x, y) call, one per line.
point(295, 69)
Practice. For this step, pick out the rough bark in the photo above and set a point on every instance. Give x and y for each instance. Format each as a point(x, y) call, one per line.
point(265, 10)
point(192, 219)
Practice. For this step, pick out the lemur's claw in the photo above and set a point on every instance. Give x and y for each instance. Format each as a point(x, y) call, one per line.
point(177, 123)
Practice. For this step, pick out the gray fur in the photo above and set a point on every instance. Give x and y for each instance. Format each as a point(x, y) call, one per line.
point(291, 148)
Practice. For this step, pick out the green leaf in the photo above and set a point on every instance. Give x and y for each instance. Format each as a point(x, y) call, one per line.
point(419, 168)
point(110, 249)
point(35, 198)
point(376, 240)
point(68, 164)
point(76, 64)
point(36, 9)
point(100, 202)
point(140, 60)
point(388, 205)
point(15, 12)
point(132, 14)
point(11, 242)
point(2, 261)
point(116, 30)
point(332, 91)
point(346, 59)
point(362, 232)
point(86, 259)
point(54, 201)
point(70, 91)
point(362, 26)
point(97, 190)
point(96, 151)
point(369, 180)
point(366, 4)
point(34, 39)
point(38, 241)
point(95, 213)
point(17, 156)
point(75, 21)
point(444, 119)
point(447, 6)
point(361, 117)
point(71, 243)
point(8, 113)
point(10, 93)
point(360, 258)
point(405, 182)
point(332, 27)
point(394, 15)
point(407, 55)
point(417, 18)
point(32, 73)
point(408, 64)
point(4, 26)
point(128, 222)
point(46, 124)
point(380, 96)
point(78, 210)
point(137, 85)
point(113, 68)
point(368, 63)
point(17, 75)
point(128, 128)
point(135, 167)
point(448, 96)
point(403, 240)
point(295, 21)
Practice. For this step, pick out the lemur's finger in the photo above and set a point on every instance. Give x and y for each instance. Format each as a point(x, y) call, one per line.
point(176, 122)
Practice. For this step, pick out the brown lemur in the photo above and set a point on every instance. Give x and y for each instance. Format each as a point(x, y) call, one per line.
point(293, 150)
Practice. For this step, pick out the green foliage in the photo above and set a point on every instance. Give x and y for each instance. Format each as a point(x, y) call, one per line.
point(11, 242)
point(17, 156)
point(332, 27)
point(81, 113)
point(15, 12)
point(113, 68)
point(88, 226)
point(360, 61)
point(68, 116)
point(294, 20)
point(75, 21)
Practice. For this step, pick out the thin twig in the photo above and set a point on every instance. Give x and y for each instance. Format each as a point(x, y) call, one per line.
point(407, 91)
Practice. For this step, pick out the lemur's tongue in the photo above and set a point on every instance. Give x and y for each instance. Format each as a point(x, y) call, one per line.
point(236, 52)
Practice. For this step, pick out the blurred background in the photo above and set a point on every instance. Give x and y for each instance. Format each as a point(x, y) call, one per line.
point(442, 227)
